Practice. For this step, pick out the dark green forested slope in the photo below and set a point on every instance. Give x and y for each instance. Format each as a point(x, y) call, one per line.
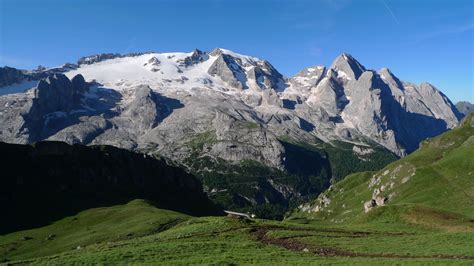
point(46, 181)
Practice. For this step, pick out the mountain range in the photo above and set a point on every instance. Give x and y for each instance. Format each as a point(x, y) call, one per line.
point(252, 135)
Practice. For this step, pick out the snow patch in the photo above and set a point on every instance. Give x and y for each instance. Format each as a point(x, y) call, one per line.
point(241, 56)
point(343, 74)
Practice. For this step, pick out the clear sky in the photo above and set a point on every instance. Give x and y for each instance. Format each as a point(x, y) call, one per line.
point(430, 40)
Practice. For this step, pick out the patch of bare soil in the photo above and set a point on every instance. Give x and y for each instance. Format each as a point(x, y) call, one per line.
point(260, 233)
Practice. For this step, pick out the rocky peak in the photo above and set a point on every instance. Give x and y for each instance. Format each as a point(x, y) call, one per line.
point(196, 53)
point(243, 60)
point(386, 74)
point(308, 77)
point(197, 56)
point(55, 85)
point(347, 66)
point(391, 80)
point(311, 72)
point(216, 52)
point(58, 93)
point(229, 70)
point(265, 76)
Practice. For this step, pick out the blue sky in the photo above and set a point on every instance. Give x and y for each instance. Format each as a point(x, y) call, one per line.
point(430, 40)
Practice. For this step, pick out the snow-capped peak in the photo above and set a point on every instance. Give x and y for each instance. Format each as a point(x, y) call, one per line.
point(247, 58)
point(222, 70)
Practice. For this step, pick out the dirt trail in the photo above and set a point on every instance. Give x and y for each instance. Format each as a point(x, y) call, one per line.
point(260, 233)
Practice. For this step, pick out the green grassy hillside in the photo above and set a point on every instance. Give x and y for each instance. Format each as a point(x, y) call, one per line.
point(93, 226)
point(138, 232)
point(433, 186)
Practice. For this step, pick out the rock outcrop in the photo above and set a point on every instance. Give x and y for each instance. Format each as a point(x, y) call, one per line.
point(144, 110)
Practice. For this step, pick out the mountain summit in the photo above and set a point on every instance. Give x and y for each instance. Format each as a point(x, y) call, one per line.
point(348, 66)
